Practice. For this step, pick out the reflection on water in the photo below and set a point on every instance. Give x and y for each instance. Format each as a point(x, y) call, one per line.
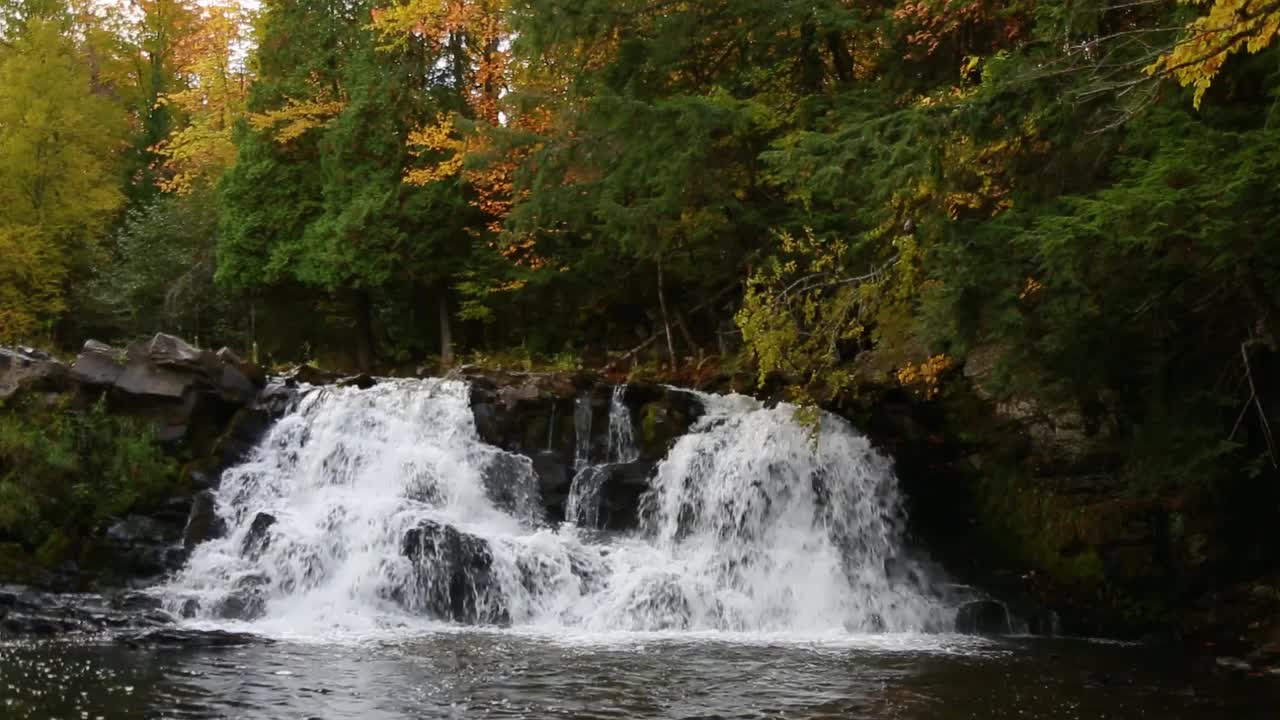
point(498, 675)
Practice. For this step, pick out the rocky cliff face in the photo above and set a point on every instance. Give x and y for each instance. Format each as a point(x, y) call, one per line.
point(1043, 506)
point(560, 420)
point(206, 408)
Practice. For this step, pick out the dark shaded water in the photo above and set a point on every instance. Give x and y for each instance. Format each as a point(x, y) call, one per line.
point(498, 675)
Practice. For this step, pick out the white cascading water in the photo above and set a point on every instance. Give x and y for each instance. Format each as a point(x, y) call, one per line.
point(622, 434)
point(366, 508)
point(583, 504)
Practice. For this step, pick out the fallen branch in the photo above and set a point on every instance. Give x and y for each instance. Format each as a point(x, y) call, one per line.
point(612, 364)
point(1256, 402)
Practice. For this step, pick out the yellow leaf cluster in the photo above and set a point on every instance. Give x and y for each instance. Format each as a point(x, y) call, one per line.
point(296, 118)
point(1229, 27)
point(214, 98)
point(438, 138)
point(31, 283)
point(1030, 288)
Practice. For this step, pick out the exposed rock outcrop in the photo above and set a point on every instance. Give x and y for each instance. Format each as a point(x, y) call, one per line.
point(454, 575)
point(26, 369)
point(26, 612)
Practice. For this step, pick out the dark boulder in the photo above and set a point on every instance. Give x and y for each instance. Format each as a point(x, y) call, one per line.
point(363, 381)
point(308, 375)
point(454, 575)
point(190, 638)
point(553, 482)
point(247, 601)
point(621, 492)
point(254, 373)
point(511, 483)
point(663, 414)
point(277, 399)
point(135, 601)
point(142, 546)
point(24, 612)
point(259, 537)
point(983, 617)
point(203, 523)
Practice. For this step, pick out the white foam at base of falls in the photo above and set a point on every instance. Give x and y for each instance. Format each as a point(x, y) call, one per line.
point(750, 528)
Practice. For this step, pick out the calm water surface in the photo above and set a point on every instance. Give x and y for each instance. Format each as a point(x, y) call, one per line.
point(480, 674)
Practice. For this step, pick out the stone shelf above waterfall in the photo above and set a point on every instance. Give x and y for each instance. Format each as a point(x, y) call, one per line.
point(564, 422)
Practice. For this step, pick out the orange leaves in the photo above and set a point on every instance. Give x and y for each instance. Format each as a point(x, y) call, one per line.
point(927, 376)
point(471, 33)
point(935, 20)
point(215, 97)
point(488, 171)
point(932, 23)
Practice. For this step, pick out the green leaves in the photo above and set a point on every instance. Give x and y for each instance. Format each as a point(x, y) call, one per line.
point(65, 471)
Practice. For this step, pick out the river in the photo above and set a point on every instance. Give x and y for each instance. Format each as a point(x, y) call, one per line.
point(478, 674)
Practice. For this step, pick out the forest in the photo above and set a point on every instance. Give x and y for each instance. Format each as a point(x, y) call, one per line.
point(816, 193)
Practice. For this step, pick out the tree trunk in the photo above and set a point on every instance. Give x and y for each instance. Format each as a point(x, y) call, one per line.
point(666, 319)
point(446, 331)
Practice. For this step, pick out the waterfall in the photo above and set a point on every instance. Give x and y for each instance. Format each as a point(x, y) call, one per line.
point(583, 504)
point(373, 507)
point(622, 434)
point(582, 432)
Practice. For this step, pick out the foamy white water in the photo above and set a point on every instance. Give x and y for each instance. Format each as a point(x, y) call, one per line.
point(364, 508)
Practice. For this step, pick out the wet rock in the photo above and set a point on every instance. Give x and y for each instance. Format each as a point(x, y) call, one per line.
point(620, 494)
point(245, 606)
point(255, 374)
point(454, 575)
point(138, 529)
point(363, 381)
point(1232, 665)
point(554, 481)
point(143, 546)
point(308, 375)
point(983, 617)
point(1058, 433)
point(259, 536)
point(247, 427)
point(277, 399)
point(191, 638)
point(135, 601)
point(512, 485)
point(24, 612)
point(663, 414)
point(203, 523)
